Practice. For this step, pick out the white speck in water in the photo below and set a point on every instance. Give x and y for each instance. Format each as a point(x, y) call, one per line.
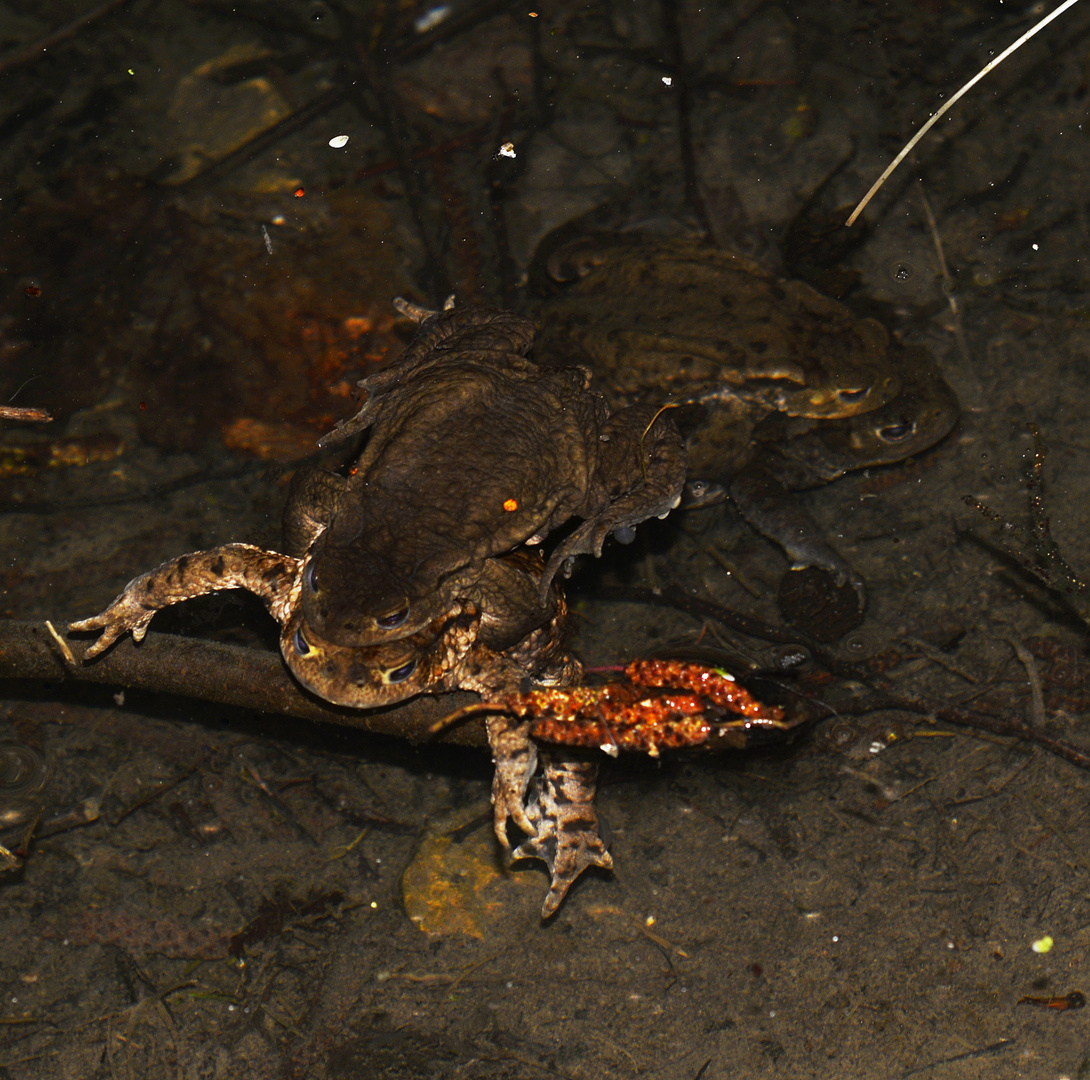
point(507, 150)
point(667, 80)
point(338, 141)
point(431, 18)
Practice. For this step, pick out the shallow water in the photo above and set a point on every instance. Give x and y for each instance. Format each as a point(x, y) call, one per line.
point(193, 294)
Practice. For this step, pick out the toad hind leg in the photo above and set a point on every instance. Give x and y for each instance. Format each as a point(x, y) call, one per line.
point(514, 754)
point(566, 826)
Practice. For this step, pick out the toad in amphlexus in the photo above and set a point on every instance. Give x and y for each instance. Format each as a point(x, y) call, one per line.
point(474, 450)
point(795, 389)
point(410, 574)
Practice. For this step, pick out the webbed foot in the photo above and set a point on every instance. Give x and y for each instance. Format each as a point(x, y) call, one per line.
point(514, 754)
point(565, 823)
point(770, 508)
point(643, 454)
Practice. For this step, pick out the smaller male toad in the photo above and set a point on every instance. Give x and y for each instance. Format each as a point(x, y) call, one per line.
point(474, 449)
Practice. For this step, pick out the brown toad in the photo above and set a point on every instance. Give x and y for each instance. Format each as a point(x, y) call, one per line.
point(474, 449)
point(652, 316)
point(782, 388)
point(409, 574)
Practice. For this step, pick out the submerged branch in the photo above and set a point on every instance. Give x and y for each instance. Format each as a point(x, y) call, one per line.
point(210, 671)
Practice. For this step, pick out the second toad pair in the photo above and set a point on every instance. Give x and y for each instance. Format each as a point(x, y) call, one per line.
point(781, 388)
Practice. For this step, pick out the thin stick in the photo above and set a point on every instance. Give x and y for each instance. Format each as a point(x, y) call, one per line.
point(957, 97)
point(972, 385)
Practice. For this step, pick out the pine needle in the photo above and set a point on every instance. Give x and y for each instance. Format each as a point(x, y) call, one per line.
point(957, 97)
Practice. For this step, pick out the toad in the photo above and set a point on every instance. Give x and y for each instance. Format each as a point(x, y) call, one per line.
point(677, 317)
point(791, 455)
point(782, 388)
point(474, 450)
point(410, 574)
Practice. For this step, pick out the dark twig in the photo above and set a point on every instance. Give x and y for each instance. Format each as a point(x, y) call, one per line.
point(682, 89)
point(227, 674)
point(458, 22)
point(264, 140)
point(1036, 550)
point(675, 597)
point(384, 107)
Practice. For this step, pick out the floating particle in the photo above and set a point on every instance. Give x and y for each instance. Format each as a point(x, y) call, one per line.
point(667, 80)
point(507, 150)
point(299, 192)
point(1075, 1000)
point(1042, 944)
point(431, 18)
point(338, 141)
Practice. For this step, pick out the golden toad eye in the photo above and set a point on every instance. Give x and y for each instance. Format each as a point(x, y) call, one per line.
point(310, 576)
point(302, 646)
point(854, 394)
point(895, 433)
point(399, 675)
point(393, 619)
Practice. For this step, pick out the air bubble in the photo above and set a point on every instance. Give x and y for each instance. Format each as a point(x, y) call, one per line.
point(901, 270)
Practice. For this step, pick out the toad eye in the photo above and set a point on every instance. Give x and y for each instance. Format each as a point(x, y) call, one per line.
point(302, 646)
point(399, 675)
point(854, 394)
point(895, 433)
point(310, 577)
point(393, 619)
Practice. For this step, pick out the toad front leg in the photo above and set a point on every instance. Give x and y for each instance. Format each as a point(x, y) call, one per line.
point(268, 574)
point(642, 465)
